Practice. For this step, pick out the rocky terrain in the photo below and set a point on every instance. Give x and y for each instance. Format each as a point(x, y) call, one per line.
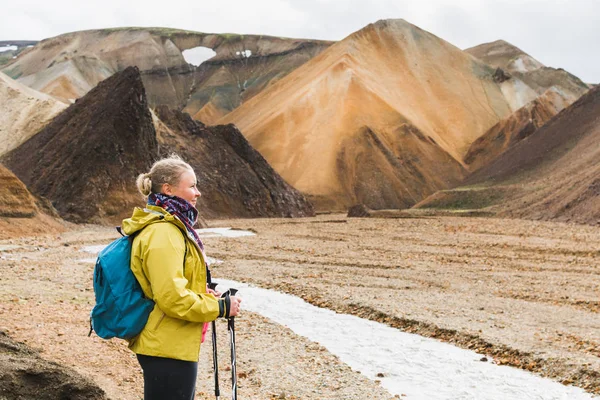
point(26, 375)
point(523, 293)
point(69, 65)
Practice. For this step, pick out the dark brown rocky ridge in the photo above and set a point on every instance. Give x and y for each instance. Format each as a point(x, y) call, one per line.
point(234, 178)
point(86, 160)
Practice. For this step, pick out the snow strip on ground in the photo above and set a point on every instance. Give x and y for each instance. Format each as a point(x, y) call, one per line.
point(421, 368)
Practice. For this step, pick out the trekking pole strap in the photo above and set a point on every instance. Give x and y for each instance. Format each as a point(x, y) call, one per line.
point(227, 299)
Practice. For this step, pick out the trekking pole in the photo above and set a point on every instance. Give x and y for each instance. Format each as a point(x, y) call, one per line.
point(213, 286)
point(231, 329)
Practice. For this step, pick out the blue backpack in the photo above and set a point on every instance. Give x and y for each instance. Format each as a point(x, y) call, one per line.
point(121, 309)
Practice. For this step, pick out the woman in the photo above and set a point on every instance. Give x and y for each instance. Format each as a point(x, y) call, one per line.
point(168, 260)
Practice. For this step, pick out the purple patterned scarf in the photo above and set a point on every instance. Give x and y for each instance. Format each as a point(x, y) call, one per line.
point(180, 208)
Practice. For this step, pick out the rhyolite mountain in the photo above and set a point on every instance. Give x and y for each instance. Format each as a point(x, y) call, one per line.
point(553, 174)
point(15, 200)
point(381, 118)
point(22, 213)
point(515, 62)
point(69, 65)
point(10, 49)
point(23, 112)
point(384, 118)
point(516, 127)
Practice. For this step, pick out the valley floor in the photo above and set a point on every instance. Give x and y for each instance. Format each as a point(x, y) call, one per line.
point(523, 292)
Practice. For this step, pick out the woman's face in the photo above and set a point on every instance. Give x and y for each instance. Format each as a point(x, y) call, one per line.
point(186, 188)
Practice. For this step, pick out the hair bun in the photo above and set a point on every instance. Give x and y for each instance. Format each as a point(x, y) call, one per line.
point(144, 184)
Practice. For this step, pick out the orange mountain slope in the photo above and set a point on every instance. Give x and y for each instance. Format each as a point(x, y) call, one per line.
point(21, 214)
point(383, 117)
point(516, 127)
point(15, 199)
point(554, 174)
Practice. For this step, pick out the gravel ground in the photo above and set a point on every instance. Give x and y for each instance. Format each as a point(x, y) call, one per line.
point(46, 296)
point(523, 292)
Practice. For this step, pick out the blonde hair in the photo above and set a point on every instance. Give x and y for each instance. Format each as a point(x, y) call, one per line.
point(168, 170)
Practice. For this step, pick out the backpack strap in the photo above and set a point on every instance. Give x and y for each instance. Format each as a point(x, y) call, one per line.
point(133, 235)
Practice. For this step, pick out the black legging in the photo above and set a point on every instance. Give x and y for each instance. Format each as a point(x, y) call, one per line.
point(167, 378)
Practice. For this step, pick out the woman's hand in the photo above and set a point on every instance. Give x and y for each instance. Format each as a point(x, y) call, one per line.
point(216, 293)
point(234, 305)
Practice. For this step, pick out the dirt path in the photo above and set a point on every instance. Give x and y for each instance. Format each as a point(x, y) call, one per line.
point(524, 292)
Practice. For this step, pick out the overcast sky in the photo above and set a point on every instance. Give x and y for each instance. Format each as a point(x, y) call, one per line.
point(558, 33)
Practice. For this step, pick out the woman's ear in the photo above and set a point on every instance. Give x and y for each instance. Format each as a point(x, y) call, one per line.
point(166, 189)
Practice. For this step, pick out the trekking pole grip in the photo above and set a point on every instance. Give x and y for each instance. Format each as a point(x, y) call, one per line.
point(232, 292)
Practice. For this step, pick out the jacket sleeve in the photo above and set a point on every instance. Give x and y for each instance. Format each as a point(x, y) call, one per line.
point(164, 268)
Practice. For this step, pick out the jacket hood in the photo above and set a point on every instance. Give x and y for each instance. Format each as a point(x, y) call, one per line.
point(142, 217)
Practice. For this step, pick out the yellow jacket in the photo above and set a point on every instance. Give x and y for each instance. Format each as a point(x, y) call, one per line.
point(174, 328)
